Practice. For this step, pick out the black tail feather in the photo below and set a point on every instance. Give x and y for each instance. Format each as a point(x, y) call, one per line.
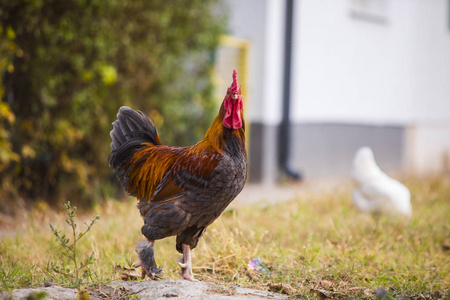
point(130, 130)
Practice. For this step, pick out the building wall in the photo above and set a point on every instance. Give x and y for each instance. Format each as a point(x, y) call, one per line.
point(428, 150)
point(391, 72)
point(430, 73)
point(261, 22)
point(348, 69)
point(376, 77)
point(325, 150)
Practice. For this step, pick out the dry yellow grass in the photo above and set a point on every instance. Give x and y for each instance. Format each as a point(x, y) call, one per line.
point(313, 245)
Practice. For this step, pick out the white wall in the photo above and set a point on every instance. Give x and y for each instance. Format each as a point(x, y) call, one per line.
point(261, 22)
point(429, 137)
point(428, 150)
point(430, 75)
point(350, 70)
point(355, 71)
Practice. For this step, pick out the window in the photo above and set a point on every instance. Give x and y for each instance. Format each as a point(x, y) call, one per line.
point(375, 11)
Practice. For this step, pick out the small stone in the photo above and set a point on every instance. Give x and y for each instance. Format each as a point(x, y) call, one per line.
point(282, 288)
point(326, 283)
point(48, 282)
point(170, 295)
point(380, 292)
point(322, 293)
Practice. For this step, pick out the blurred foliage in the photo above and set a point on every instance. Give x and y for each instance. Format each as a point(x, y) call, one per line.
point(67, 66)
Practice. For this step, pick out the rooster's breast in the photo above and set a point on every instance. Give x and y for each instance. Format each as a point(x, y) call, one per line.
point(202, 200)
point(224, 184)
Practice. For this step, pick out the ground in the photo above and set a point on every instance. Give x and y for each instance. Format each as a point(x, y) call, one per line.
point(309, 241)
point(154, 290)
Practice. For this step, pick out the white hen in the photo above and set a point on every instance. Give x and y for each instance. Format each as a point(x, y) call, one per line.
point(374, 190)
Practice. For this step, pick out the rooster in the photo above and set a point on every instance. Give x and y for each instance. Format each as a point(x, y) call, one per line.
point(180, 190)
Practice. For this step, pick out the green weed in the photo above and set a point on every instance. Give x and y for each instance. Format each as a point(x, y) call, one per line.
point(70, 265)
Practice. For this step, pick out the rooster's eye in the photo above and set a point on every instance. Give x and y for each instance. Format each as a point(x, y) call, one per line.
point(234, 96)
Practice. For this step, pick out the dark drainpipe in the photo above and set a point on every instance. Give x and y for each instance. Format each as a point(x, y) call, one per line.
point(285, 127)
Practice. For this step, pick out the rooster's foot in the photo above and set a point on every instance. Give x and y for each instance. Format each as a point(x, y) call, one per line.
point(148, 271)
point(186, 272)
point(147, 260)
point(185, 264)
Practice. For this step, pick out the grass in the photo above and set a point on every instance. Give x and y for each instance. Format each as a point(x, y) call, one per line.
point(314, 246)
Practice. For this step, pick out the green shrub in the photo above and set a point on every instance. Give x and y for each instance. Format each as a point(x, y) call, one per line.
point(66, 68)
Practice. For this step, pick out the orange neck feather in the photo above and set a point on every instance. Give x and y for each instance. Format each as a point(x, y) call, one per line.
point(215, 137)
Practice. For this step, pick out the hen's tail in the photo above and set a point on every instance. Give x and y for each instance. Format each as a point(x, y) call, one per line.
point(130, 130)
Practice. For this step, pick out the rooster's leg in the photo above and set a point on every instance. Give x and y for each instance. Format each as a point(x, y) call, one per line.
point(186, 265)
point(147, 263)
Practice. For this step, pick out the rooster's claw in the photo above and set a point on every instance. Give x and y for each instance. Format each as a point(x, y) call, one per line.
point(149, 271)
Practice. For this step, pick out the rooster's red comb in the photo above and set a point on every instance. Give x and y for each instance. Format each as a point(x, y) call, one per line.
point(234, 88)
